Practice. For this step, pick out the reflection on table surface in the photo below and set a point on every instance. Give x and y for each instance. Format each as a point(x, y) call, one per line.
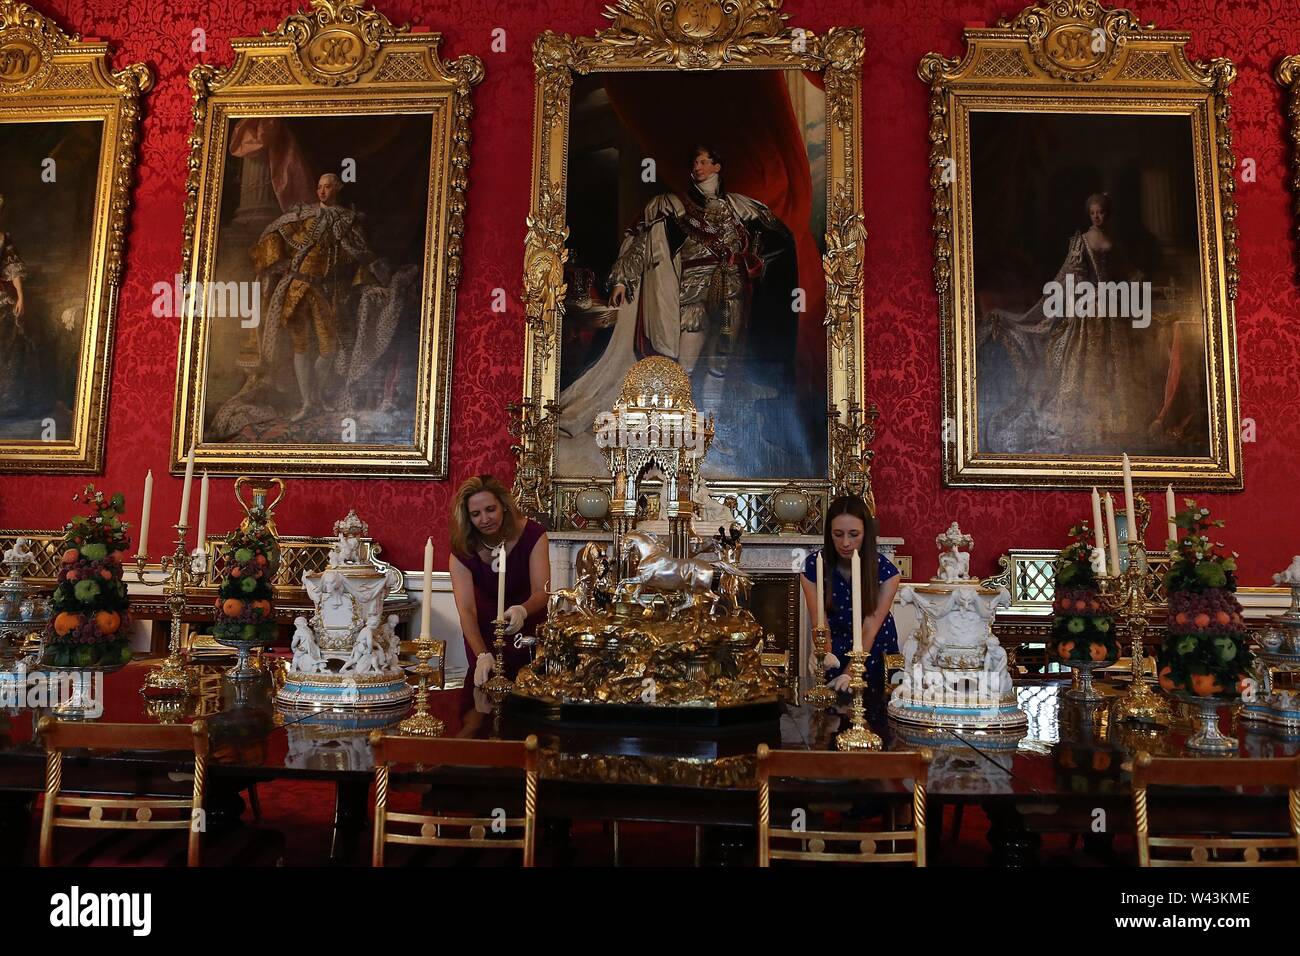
point(1068, 749)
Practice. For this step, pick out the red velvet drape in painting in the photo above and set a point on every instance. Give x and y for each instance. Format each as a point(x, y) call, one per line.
point(902, 331)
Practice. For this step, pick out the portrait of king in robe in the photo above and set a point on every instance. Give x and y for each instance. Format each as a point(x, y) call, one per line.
point(705, 250)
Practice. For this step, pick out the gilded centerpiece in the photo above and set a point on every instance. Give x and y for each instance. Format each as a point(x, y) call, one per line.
point(661, 622)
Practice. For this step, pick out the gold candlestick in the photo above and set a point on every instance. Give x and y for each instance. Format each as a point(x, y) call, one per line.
point(422, 723)
point(819, 695)
point(859, 736)
point(498, 685)
point(1126, 596)
point(172, 677)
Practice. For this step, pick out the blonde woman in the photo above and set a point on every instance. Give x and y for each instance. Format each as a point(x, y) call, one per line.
point(484, 517)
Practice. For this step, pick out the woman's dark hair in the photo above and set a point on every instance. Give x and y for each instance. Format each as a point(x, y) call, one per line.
point(855, 506)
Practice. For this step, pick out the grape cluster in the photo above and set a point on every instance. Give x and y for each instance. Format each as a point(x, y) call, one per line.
point(1212, 611)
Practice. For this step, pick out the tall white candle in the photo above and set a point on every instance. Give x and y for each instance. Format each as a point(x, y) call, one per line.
point(1130, 512)
point(142, 548)
point(821, 594)
point(184, 519)
point(202, 542)
point(1171, 510)
point(426, 607)
point(1099, 538)
point(501, 580)
point(857, 603)
point(1110, 533)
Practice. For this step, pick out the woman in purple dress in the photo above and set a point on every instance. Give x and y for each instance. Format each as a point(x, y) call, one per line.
point(484, 516)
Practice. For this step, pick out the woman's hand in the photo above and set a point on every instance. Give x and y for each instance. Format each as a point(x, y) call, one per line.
point(483, 667)
point(840, 684)
point(514, 617)
point(618, 296)
point(826, 663)
point(18, 307)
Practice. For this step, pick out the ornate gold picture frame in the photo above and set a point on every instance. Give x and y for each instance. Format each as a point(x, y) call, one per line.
point(68, 127)
point(1287, 75)
point(598, 109)
point(1060, 352)
point(325, 210)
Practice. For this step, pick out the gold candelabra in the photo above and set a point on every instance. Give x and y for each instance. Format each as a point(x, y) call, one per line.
point(172, 677)
point(819, 695)
point(422, 723)
point(1125, 596)
point(858, 736)
point(498, 685)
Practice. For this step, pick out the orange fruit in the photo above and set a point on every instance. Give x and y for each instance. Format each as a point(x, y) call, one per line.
point(1205, 684)
point(263, 606)
point(71, 555)
point(1181, 618)
point(1166, 682)
point(1202, 620)
point(1081, 605)
point(1065, 649)
point(1221, 618)
point(261, 560)
point(1098, 652)
point(232, 607)
point(66, 622)
point(234, 571)
point(108, 621)
point(1101, 761)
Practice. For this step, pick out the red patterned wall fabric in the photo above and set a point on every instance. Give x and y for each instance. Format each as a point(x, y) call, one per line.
point(902, 328)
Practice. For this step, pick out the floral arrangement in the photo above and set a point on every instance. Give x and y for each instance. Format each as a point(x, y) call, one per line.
point(244, 608)
point(91, 620)
point(1082, 629)
point(1205, 651)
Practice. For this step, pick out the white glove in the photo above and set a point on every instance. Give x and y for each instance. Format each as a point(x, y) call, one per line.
point(484, 664)
point(514, 617)
point(482, 703)
point(827, 662)
point(840, 684)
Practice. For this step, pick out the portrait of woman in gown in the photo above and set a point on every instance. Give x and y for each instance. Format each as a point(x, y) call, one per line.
point(1081, 380)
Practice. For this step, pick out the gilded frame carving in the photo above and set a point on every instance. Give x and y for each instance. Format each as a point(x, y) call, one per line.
point(48, 74)
point(1287, 75)
point(695, 35)
point(338, 56)
point(1076, 56)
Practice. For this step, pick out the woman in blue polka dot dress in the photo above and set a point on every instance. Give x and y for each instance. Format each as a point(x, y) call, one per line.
point(850, 527)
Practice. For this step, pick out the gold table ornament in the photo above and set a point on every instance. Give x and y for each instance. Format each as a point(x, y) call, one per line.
point(858, 736)
point(819, 695)
point(1126, 596)
point(498, 685)
point(421, 723)
point(172, 676)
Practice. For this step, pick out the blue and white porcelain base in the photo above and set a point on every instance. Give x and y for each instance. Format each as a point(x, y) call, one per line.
point(345, 693)
point(1000, 715)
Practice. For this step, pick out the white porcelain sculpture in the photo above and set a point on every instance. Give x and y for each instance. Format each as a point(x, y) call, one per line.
point(955, 673)
point(345, 657)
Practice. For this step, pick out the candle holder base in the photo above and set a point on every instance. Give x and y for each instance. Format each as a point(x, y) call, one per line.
point(170, 678)
point(1143, 705)
point(858, 736)
point(422, 723)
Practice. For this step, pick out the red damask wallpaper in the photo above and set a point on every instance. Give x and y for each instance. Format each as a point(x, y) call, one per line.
point(902, 314)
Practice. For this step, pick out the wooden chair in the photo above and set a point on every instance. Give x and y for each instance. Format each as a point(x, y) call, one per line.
point(1216, 772)
point(827, 765)
point(437, 751)
point(60, 736)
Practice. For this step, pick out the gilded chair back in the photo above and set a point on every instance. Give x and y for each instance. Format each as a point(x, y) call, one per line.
point(432, 829)
point(136, 813)
point(791, 844)
point(1199, 850)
